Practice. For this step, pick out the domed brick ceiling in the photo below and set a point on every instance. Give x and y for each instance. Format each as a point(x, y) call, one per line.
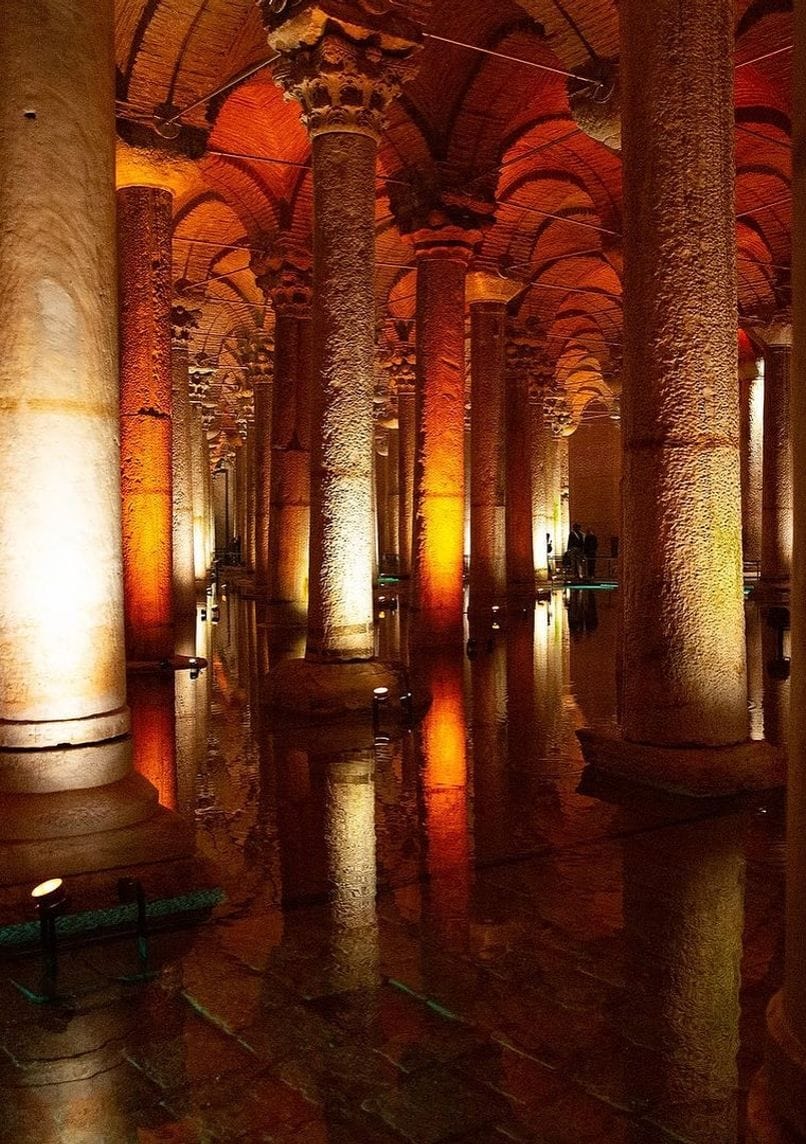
point(510, 121)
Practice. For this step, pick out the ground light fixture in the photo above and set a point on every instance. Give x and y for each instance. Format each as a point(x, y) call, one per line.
point(380, 696)
point(50, 899)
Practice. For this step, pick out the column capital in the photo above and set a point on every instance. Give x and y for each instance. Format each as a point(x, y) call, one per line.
point(254, 352)
point(344, 61)
point(558, 413)
point(183, 323)
point(201, 370)
point(399, 360)
point(774, 331)
point(283, 271)
point(486, 286)
point(436, 216)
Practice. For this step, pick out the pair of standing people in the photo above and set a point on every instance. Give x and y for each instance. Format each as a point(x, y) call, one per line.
point(581, 552)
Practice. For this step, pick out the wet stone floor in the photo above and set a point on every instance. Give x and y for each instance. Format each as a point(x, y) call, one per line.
point(450, 934)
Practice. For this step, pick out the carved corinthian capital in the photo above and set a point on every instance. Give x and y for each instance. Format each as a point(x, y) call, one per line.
point(344, 61)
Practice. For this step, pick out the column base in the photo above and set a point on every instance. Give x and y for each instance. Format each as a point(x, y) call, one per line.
point(84, 831)
point(319, 691)
point(699, 772)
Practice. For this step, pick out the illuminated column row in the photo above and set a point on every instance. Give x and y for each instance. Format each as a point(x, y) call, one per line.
point(184, 581)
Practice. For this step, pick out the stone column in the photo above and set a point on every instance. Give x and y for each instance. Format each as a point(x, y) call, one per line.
point(521, 360)
point(393, 499)
point(63, 675)
point(382, 494)
point(684, 680)
point(541, 473)
point(285, 276)
point(751, 418)
point(776, 497)
point(255, 354)
point(184, 581)
point(200, 374)
point(63, 717)
point(344, 74)
point(144, 263)
point(785, 1071)
point(406, 455)
point(439, 479)
point(487, 440)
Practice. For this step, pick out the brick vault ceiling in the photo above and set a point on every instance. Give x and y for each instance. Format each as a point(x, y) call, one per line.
point(487, 127)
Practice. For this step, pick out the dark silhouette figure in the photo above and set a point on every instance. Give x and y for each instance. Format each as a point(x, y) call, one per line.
point(590, 544)
point(575, 552)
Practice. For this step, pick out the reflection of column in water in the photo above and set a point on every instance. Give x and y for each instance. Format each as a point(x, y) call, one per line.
point(350, 842)
point(755, 670)
point(444, 791)
point(488, 673)
point(551, 653)
point(683, 918)
point(396, 813)
point(387, 631)
point(300, 824)
point(775, 648)
point(151, 700)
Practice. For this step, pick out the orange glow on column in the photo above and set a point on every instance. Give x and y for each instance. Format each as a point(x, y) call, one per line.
point(144, 229)
point(151, 699)
point(439, 494)
point(445, 791)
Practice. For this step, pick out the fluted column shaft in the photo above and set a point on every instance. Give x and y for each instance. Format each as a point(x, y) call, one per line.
point(684, 657)
point(439, 478)
point(776, 497)
point(487, 463)
point(63, 678)
point(144, 245)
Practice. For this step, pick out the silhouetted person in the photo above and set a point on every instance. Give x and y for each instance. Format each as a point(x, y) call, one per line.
point(590, 544)
point(575, 551)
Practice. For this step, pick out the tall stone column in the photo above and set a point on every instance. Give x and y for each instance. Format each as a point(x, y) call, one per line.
point(407, 451)
point(285, 277)
point(255, 354)
point(541, 471)
point(184, 581)
point(144, 264)
point(521, 360)
point(393, 498)
point(344, 74)
point(63, 668)
point(751, 418)
point(785, 1072)
point(487, 439)
point(200, 374)
point(382, 494)
point(776, 497)
point(439, 477)
point(63, 717)
point(684, 682)
point(400, 361)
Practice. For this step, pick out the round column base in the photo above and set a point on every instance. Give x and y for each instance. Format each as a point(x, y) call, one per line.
point(319, 691)
point(699, 772)
point(39, 735)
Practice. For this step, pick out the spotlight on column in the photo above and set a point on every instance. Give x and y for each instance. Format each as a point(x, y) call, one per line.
point(50, 899)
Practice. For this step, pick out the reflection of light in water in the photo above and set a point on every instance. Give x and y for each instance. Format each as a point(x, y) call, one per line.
point(445, 789)
point(151, 700)
point(683, 918)
point(755, 671)
point(350, 839)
